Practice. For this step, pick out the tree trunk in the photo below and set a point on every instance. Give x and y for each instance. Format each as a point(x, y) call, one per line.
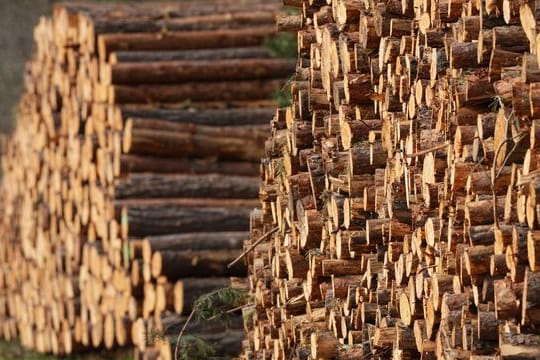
point(192, 92)
point(178, 264)
point(109, 43)
point(149, 185)
point(162, 138)
point(171, 72)
point(160, 165)
point(198, 241)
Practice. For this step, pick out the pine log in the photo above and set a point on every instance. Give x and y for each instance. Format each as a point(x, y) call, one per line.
point(187, 290)
point(148, 185)
point(189, 92)
point(254, 52)
point(139, 164)
point(108, 43)
point(211, 117)
point(197, 241)
point(156, 137)
point(177, 264)
point(172, 217)
point(171, 72)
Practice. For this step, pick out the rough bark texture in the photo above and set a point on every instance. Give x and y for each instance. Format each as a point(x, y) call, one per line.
point(210, 186)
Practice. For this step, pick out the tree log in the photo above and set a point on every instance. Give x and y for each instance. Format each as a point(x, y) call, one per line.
point(148, 185)
point(108, 43)
point(171, 72)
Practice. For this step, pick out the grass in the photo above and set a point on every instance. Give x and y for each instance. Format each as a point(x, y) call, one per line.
point(13, 350)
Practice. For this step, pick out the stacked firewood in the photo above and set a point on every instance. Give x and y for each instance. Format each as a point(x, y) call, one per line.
point(399, 192)
point(130, 176)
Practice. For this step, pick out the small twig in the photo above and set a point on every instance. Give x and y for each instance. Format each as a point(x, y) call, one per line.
point(337, 180)
point(521, 137)
point(426, 151)
point(497, 172)
point(257, 242)
point(418, 271)
point(294, 299)
point(230, 311)
point(182, 333)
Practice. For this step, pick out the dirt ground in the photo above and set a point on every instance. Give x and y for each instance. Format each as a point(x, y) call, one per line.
point(17, 19)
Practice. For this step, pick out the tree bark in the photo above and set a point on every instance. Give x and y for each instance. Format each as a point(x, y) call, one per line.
point(109, 43)
point(253, 52)
point(168, 139)
point(171, 72)
point(198, 241)
point(153, 164)
point(178, 264)
point(149, 185)
point(197, 215)
point(187, 290)
point(192, 92)
point(209, 117)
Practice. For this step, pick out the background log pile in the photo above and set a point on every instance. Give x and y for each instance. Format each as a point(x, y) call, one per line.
point(399, 191)
point(130, 176)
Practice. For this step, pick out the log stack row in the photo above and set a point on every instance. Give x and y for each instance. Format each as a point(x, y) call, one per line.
point(399, 191)
point(130, 176)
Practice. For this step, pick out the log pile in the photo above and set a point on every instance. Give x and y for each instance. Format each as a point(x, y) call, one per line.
point(130, 176)
point(399, 214)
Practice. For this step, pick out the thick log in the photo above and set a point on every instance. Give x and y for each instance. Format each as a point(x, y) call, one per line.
point(254, 52)
point(177, 264)
point(148, 185)
point(172, 217)
point(189, 92)
point(187, 290)
point(198, 241)
point(531, 299)
point(135, 163)
point(171, 72)
point(92, 26)
point(108, 43)
point(156, 137)
point(212, 117)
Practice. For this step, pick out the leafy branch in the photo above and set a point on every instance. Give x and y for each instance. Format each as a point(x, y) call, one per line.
point(219, 303)
point(195, 348)
point(216, 305)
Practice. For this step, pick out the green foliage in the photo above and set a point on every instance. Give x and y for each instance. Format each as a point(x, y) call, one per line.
point(282, 45)
point(218, 304)
point(496, 104)
point(279, 169)
point(195, 348)
point(370, 51)
point(186, 105)
point(248, 313)
point(155, 336)
point(283, 97)
point(313, 252)
point(291, 10)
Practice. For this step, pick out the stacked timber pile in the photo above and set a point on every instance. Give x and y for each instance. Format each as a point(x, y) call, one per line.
point(399, 192)
point(130, 176)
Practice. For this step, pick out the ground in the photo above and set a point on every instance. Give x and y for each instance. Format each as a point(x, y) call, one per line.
point(12, 350)
point(17, 19)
